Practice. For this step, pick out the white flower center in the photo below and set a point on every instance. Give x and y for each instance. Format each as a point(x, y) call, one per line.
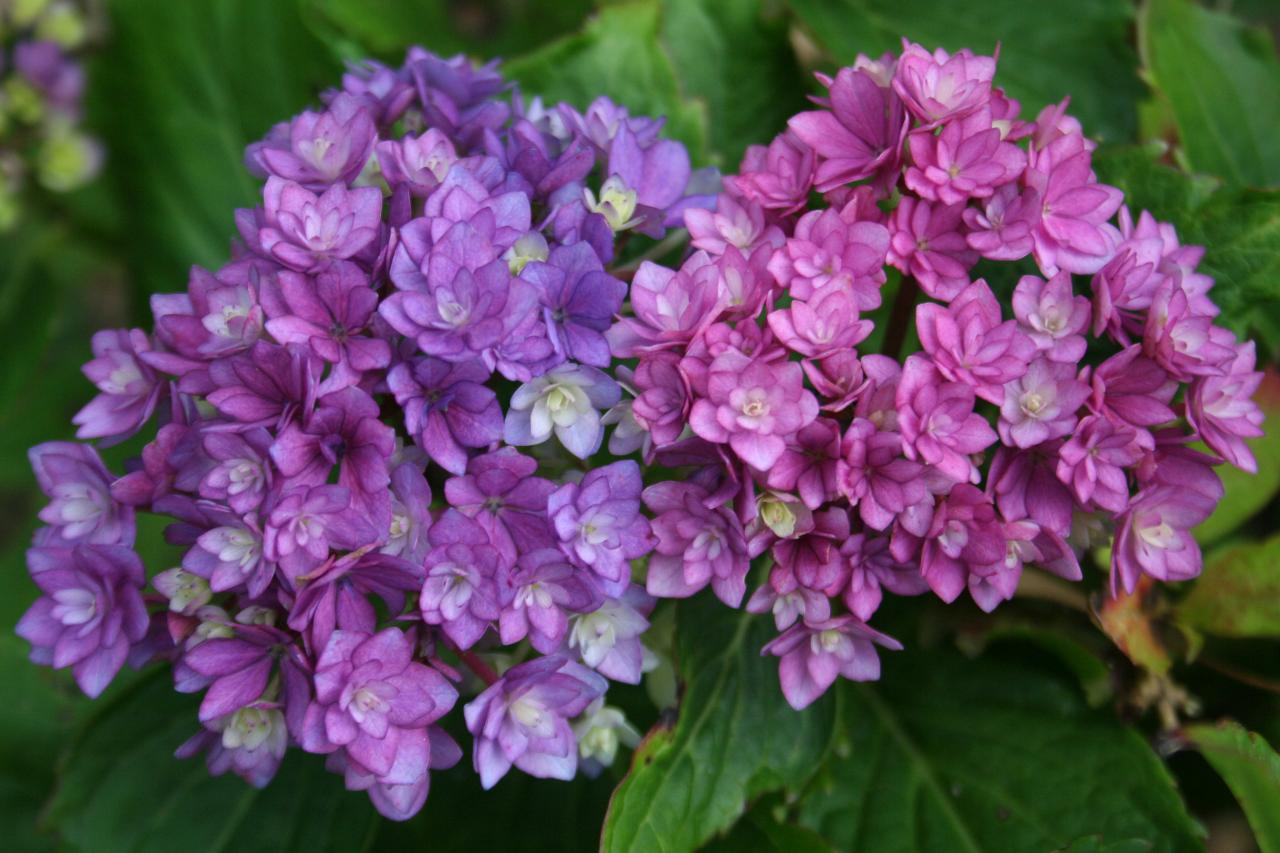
point(1157, 533)
point(249, 728)
point(74, 606)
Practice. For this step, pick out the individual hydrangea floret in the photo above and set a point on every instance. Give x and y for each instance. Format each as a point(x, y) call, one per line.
point(90, 612)
point(522, 720)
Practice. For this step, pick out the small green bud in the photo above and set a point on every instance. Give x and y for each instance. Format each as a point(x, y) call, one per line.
point(601, 730)
point(528, 247)
point(617, 203)
point(23, 12)
point(63, 23)
point(67, 160)
point(22, 101)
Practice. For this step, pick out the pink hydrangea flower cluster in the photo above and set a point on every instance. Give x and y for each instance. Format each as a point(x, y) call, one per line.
point(1035, 415)
point(346, 414)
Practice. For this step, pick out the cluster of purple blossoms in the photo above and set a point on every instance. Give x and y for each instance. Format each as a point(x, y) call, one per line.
point(997, 446)
point(375, 434)
point(42, 83)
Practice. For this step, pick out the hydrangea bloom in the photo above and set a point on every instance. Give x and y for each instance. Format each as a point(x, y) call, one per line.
point(441, 273)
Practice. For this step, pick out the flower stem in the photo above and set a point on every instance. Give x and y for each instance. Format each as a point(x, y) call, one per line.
point(675, 239)
point(1049, 588)
point(900, 316)
point(476, 664)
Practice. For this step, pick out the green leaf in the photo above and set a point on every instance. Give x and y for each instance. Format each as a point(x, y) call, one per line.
point(120, 788)
point(1251, 769)
point(1047, 50)
point(724, 69)
point(1097, 844)
point(1240, 229)
point(54, 291)
point(485, 31)
point(762, 830)
point(519, 813)
point(1221, 81)
point(734, 738)
point(951, 755)
point(179, 90)
point(734, 57)
point(1238, 593)
point(1084, 662)
point(1149, 183)
point(616, 54)
point(36, 718)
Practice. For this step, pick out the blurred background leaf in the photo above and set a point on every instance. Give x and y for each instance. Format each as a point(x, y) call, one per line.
point(1238, 594)
point(386, 28)
point(617, 53)
point(1220, 80)
point(201, 81)
point(1240, 227)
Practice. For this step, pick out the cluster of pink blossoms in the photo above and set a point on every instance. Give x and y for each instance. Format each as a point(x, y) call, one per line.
point(1032, 424)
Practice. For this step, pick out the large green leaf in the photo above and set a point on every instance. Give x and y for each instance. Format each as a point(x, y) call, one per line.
point(55, 289)
point(723, 70)
point(484, 30)
point(618, 54)
point(761, 830)
point(120, 788)
point(1240, 229)
point(1238, 595)
point(734, 56)
point(37, 716)
point(178, 92)
point(1047, 50)
point(953, 755)
point(1221, 82)
point(734, 738)
point(519, 813)
point(1251, 769)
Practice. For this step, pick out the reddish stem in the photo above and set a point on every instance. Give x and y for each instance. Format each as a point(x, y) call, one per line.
point(474, 663)
point(900, 316)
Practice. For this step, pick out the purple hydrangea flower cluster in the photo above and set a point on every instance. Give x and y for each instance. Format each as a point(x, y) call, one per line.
point(43, 83)
point(375, 435)
point(1033, 412)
